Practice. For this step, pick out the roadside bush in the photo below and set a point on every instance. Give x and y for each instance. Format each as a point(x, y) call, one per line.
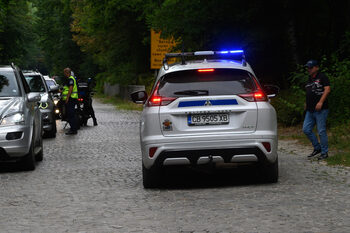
point(289, 104)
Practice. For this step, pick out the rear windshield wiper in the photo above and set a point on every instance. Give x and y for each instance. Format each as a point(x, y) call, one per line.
point(192, 92)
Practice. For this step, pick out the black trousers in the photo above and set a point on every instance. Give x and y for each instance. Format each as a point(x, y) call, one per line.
point(71, 116)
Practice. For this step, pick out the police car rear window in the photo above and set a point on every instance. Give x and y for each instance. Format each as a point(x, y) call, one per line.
point(209, 82)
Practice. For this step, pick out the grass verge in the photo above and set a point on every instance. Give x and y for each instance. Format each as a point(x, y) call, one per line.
point(338, 139)
point(119, 102)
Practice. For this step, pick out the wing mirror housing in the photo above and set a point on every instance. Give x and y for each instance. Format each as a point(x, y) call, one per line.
point(139, 97)
point(271, 90)
point(34, 97)
point(53, 89)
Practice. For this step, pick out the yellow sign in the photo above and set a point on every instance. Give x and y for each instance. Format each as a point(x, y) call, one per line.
point(159, 47)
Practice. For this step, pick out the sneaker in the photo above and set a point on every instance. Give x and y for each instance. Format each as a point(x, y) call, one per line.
point(315, 152)
point(322, 156)
point(71, 132)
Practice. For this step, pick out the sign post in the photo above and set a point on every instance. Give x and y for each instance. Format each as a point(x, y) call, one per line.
point(159, 47)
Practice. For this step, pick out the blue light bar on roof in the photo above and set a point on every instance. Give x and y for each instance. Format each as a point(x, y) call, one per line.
point(237, 51)
point(230, 52)
point(203, 53)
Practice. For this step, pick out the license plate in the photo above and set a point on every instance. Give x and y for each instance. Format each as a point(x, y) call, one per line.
point(208, 119)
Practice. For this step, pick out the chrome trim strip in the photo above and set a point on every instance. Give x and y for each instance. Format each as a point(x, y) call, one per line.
point(244, 158)
point(176, 161)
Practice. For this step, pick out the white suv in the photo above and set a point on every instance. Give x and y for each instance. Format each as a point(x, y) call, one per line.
point(210, 109)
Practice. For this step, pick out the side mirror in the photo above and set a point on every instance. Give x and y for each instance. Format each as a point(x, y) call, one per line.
point(271, 90)
point(53, 88)
point(34, 97)
point(139, 97)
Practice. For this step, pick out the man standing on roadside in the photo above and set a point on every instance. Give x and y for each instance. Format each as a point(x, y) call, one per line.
point(70, 98)
point(317, 91)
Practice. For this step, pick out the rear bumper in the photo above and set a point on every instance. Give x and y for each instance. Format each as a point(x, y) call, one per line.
point(198, 152)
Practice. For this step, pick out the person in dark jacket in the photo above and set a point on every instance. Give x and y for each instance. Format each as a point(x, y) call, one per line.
point(317, 91)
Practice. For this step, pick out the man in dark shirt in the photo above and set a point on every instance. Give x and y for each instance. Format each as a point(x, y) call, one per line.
point(317, 91)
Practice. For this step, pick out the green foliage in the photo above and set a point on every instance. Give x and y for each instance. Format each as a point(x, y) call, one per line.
point(17, 41)
point(113, 33)
point(289, 105)
point(53, 29)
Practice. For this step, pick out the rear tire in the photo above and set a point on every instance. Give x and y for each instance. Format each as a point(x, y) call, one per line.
point(151, 177)
point(270, 172)
point(52, 132)
point(40, 156)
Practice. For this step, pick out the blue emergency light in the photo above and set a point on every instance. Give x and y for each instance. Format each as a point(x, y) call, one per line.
point(233, 54)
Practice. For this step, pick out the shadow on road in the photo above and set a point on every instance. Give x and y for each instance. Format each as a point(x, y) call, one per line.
point(209, 178)
point(7, 167)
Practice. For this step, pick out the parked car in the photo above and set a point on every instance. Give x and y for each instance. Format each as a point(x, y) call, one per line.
point(37, 84)
point(20, 119)
point(208, 109)
point(56, 95)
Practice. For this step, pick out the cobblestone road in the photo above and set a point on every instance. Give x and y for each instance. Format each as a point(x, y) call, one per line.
point(92, 183)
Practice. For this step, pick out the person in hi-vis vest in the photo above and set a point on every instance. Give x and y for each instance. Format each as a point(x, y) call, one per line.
point(70, 98)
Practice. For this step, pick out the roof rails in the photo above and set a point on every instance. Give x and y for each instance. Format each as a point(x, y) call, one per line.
point(231, 54)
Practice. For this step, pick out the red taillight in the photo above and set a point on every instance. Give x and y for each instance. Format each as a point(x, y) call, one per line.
point(258, 96)
point(267, 146)
point(80, 99)
point(205, 70)
point(156, 100)
point(152, 151)
point(160, 101)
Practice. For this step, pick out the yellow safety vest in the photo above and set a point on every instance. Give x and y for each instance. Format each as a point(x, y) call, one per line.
point(74, 94)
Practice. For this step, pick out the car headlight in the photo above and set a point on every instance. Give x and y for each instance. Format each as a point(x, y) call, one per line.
point(13, 119)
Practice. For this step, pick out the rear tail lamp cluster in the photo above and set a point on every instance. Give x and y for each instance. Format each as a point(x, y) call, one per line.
point(258, 96)
point(157, 100)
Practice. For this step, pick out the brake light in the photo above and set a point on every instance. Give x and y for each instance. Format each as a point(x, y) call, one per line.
point(205, 70)
point(258, 96)
point(157, 100)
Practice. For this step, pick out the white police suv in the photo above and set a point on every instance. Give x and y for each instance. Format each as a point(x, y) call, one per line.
point(208, 108)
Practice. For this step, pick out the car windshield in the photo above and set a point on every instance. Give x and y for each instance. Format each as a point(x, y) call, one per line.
point(214, 82)
point(8, 84)
point(35, 83)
